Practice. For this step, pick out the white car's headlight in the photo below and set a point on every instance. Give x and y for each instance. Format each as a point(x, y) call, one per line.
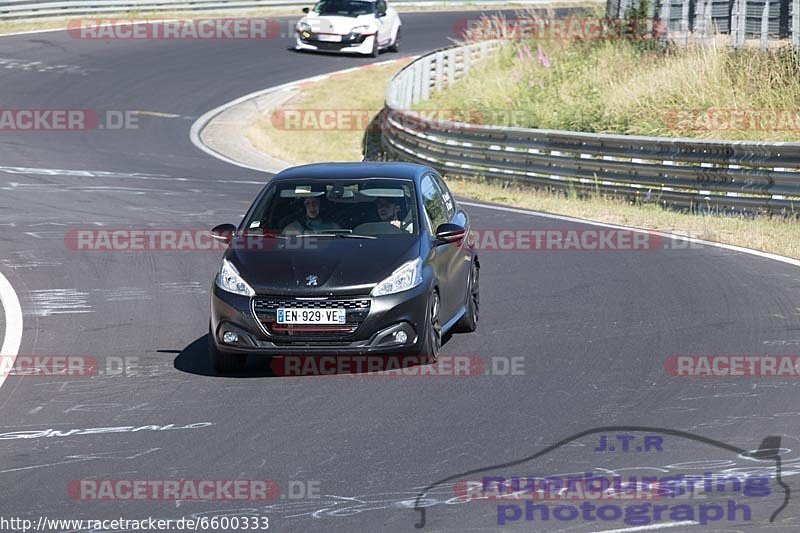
point(361, 29)
point(408, 276)
point(303, 26)
point(229, 280)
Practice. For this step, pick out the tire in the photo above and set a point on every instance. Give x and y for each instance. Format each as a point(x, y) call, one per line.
point(395, 47)
point(375, 50)
point(432, 342)
point(224, 362)
point(469, 322)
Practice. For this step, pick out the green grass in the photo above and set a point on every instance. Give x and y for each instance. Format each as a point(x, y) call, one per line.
point(632, 87)
point(769, 234)
point(342, 141)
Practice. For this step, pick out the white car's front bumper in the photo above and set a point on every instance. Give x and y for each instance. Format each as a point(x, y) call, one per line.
point(364, 47)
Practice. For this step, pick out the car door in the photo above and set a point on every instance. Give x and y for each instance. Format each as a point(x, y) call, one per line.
point(384, 22)
point(460, 266)
point(443, 258)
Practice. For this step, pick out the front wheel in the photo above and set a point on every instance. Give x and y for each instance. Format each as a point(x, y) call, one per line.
point(433, 331)
point(375, 50)
point(224, 362)
point(469, 322)
point(396, 44)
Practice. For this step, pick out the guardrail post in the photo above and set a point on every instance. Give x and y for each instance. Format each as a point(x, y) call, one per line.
point(796, 23)
point(663, 19)
point(765, 27)
point(416, 82)
point(702, 17)
point(425, 83)
point(685, 22)
point(623, 8)
point(451, 67)
point(439, 70)
point(738, 17)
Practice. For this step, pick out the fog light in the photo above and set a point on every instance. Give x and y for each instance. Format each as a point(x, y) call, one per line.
point(230, 337)
point(400, 336)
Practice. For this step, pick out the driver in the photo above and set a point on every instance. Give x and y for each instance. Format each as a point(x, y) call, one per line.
point(311, 222)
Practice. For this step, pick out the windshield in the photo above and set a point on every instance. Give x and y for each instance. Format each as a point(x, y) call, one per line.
point(344, 8)
point(374, 207)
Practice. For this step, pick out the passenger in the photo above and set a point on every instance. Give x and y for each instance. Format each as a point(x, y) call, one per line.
point(388, 211)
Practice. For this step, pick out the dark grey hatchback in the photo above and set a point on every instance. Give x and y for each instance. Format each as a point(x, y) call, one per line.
point(344, 258)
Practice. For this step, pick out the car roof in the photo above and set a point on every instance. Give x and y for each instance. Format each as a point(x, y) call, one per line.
point(336, 171)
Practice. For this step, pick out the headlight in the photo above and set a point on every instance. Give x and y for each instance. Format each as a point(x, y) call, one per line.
point(302, 26)
point(360, 29)
point(406, 277)
point(229, 280)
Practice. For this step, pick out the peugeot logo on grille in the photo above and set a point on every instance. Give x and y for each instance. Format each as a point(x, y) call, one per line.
point(312, 281)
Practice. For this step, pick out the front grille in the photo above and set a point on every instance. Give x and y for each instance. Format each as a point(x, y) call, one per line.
point(326, 45)
point(266, 311)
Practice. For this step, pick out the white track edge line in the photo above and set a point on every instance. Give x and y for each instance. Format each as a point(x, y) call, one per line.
point(13, 316)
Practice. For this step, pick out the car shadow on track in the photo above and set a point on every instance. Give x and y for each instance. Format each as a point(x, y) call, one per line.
point(194, 359)
point(291, 48)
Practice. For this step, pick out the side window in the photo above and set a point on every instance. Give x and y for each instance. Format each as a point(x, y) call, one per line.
point(433, 202)
point(449, 203)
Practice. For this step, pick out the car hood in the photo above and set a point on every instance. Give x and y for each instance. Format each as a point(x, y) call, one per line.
point(337, 24)
point(341, 266)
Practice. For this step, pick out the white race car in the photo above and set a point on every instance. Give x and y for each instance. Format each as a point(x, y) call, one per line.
point(354, 26)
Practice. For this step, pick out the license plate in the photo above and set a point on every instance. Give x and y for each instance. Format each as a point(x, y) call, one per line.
point(289, 315)
point(330, 38)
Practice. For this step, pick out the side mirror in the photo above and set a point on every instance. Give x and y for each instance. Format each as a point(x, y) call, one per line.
point(305, 10)
point(380, 14)
point(223, 232)
point(447, 233)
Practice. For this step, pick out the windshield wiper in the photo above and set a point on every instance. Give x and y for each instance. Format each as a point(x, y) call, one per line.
point(337, 235)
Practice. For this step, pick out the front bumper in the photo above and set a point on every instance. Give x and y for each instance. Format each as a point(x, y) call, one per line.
point(353, 44)
point(374, 333)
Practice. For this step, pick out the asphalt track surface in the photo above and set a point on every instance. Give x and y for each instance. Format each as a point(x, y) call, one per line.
point(592, 328)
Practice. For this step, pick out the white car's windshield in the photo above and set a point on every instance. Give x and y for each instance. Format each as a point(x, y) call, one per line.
point(344, 8)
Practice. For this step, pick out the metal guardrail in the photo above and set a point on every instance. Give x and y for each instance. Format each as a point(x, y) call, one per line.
point(739, 175)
